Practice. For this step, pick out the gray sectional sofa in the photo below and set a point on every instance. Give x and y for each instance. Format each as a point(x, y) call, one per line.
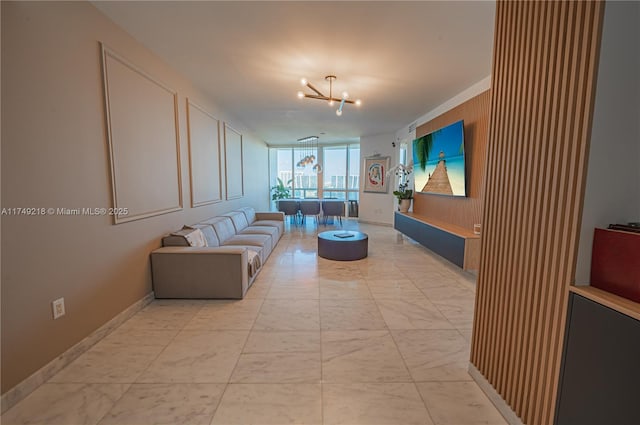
point(224, 264)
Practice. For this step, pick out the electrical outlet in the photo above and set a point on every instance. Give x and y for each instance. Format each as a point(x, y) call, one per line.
point(58, 308)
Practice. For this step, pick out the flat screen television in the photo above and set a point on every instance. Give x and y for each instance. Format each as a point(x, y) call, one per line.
point(439, 161)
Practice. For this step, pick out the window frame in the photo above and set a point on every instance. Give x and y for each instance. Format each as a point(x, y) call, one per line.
point(347, 193)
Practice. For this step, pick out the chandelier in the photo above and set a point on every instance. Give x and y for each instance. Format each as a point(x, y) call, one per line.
point(330, 99)
point(310, 145)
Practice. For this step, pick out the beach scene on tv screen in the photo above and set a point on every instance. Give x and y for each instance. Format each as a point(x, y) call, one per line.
point(439, 162)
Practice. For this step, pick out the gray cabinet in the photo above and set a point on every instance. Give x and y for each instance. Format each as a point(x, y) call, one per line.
point(600, 372)
point(458, 245)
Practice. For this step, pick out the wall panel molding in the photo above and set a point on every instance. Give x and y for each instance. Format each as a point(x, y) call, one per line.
point(144, 144)
point(544, 69)
point(233, 163)
point(204, 156)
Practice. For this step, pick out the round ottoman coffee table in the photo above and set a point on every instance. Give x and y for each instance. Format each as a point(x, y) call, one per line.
point(343, 245)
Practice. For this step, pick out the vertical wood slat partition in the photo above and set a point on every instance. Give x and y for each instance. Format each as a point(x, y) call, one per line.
point(543, 86)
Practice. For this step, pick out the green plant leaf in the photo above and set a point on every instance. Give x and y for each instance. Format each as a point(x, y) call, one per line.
point(280, 191)
point(421, 147)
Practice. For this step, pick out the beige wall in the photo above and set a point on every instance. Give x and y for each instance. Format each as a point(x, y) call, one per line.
point(378, 207)
point(612, 192)
point(54, 154)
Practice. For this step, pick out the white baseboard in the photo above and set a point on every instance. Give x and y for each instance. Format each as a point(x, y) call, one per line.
point(502, 406)
point(42, 375)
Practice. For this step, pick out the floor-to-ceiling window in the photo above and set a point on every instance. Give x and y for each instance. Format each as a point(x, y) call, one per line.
point(333, 173)
point(341, 172)
point(284, 166)
point(353, 172)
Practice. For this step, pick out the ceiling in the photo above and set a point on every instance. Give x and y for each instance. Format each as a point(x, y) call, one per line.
point(402, 59)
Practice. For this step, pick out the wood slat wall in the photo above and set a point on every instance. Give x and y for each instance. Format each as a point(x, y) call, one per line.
point(543, 84)
point(461, 211)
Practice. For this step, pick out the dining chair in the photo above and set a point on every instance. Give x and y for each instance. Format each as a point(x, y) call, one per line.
point(310, 207)
point(332, 208)
point(290, 208)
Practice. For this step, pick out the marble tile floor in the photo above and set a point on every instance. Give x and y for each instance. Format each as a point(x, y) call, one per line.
point(383, 340)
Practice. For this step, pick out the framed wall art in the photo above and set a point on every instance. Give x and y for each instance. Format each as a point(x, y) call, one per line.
point(375, 169)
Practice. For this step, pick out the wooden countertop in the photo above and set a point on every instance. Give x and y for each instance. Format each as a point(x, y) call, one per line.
point(613, 301)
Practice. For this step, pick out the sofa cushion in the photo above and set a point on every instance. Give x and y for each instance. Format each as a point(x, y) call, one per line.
point(252, 219)
point(263, 230)
point(243, 228)
point(271, 223)
point(263, 241)
point(238, 219)
point(223, 227)
point(249, 213)
point(208, 232)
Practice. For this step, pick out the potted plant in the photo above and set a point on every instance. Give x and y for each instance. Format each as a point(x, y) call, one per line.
point(280, 191)
point(404, 196)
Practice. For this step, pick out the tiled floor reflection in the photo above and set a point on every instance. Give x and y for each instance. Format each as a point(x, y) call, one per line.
point(384, 340)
